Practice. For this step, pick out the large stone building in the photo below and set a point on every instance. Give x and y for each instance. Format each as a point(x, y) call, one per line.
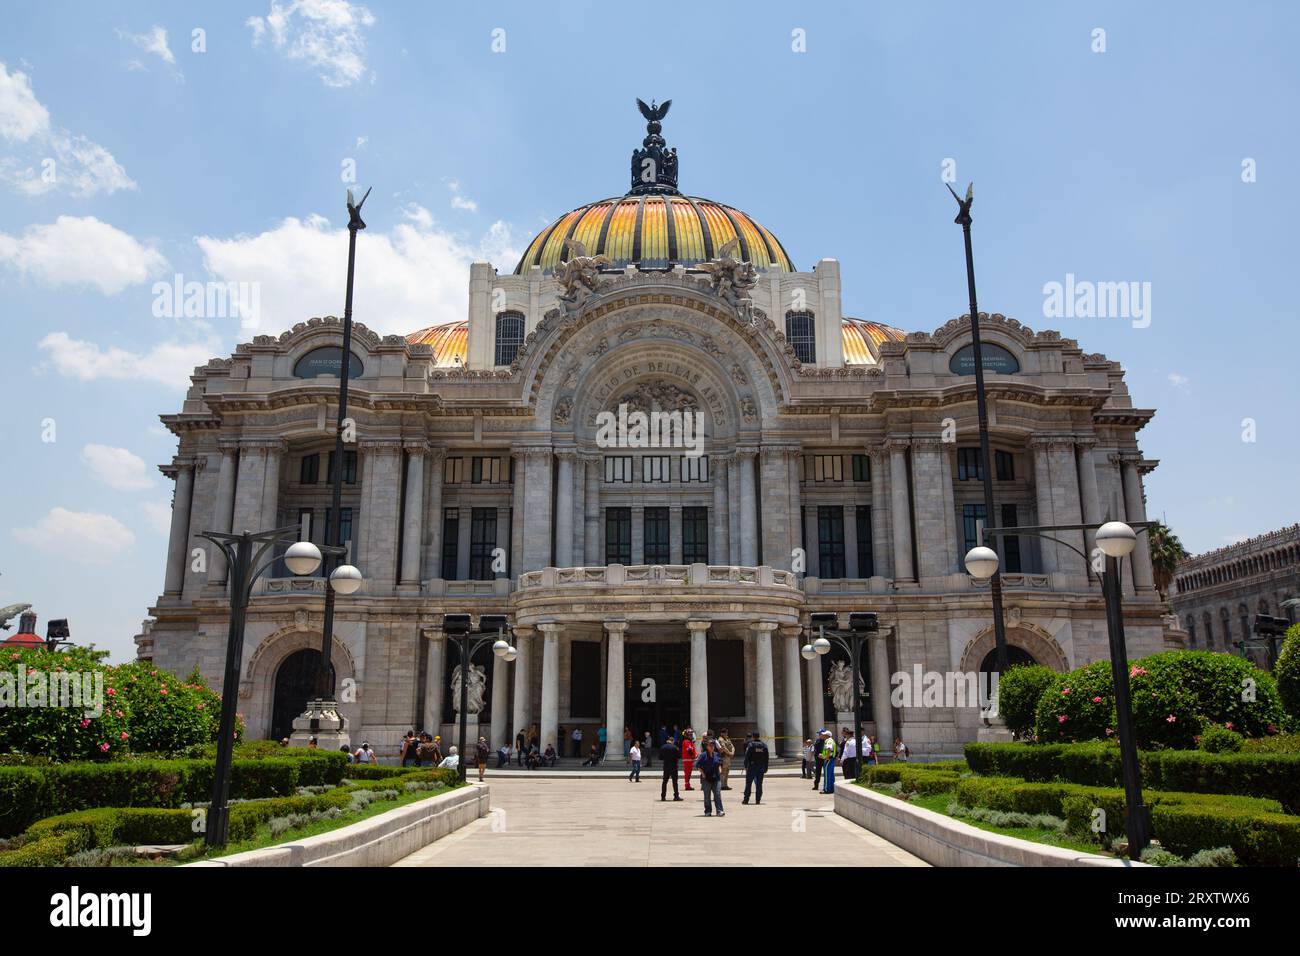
point(1216, 595)
point(646, 586)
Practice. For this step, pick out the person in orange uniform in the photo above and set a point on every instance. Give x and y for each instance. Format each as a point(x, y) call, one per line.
point(688, 755)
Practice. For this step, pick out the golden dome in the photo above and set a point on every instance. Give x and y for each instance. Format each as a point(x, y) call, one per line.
point(862, 340)
point(655, 231)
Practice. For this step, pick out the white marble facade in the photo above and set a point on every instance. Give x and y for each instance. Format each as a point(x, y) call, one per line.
point(510, 451)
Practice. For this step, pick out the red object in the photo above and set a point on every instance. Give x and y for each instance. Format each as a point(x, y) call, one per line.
point(24, 639)
point(688, 761)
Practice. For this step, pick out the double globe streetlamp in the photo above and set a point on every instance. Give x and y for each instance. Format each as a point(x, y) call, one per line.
point(861, 625)
point(458, 627)
point(1115, 540)
point(247, 560)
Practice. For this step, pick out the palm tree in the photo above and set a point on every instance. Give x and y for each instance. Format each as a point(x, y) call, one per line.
point(1166, 552)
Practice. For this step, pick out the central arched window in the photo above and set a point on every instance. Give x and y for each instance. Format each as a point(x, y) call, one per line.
point(510, 336)
point(800, 333)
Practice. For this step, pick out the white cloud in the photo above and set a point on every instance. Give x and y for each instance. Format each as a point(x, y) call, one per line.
point(325, 34)
point(459, 200)
point(158, 515)
point(117, 467)
point(81, 251)
point(154, 41)
point(81, 536)
point(413, 276)
point(1179, 381)
point(44, 157)
point(167, 363)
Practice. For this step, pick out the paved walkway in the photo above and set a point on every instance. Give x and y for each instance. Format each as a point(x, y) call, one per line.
point(610, 822)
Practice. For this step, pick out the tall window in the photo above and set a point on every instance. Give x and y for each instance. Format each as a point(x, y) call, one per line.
point(482, 542)
point(349, 467)
point(1004, 466)
point(830, 541)
point(656, 468)
point(485, 471)
point(972, 518)
point(618, 535)
point(618, 468)
point(309, 470)
point(345, 531)
point(453, 471)
point(968, 465)
point(866, 563)
point(656, 536)
point(861, 468)
point(510, 336)
point(695, 468)
point(1011, 542)
point(823, 467)
point(695, 535)
point(450, 542)
point(800, 332)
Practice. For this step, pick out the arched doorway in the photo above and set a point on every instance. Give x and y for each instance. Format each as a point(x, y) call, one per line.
point(295, 684)
point(1015, 657)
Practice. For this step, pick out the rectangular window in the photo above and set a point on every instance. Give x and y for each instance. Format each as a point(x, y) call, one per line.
point(450, 542)
point(618, 535)
point(830, 541)
point(1004, 464)
point(695, 535)
point(618, 468)
point(800, 331)
point(866, 563)
point(823, 467)
point(972, 519)
point(656, 468)
point(861, 468)
point(485, 471)
point(968, 465)
point(453, 471)
point(695, 469)
point(1011, 542)
point(657, 549)
point(309, 470)
point(349, 467)
point(482, 542)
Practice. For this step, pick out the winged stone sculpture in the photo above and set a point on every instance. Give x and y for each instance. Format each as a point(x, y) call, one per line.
point(10, 612)
point(732, 279)
point(652, 113)
point(579, 272)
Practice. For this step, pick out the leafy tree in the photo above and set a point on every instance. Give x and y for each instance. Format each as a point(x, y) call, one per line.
point(1166, 552)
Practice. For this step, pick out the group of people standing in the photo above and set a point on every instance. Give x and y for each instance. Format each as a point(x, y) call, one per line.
point(711, 761)
point(821, 756)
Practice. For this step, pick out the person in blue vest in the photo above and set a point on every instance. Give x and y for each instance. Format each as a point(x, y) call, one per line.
point(709, 766)
point(602, 738)
point(756, 760)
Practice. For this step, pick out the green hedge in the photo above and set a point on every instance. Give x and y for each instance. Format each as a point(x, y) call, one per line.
point(1273, 776)
point(28, 793)
point(893, 773)
point(1019, 690)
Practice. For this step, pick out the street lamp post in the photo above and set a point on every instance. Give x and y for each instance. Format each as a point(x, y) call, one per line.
point(245, 554)
point(1116, 540)
point(458, 627)
point(861, 625)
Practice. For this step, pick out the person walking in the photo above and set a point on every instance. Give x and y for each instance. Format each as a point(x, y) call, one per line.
point(728, 750)
point(646, 751)
point(688, 756)
point(819, 758)
point(710, 766)
point(668, 756)
point(480, 757)
point(756, 761)
point(634, 755)
point(577, 741)
point(828, 758)
point(900, 750)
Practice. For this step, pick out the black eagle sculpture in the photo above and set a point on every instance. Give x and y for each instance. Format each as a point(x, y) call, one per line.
point(652, 113)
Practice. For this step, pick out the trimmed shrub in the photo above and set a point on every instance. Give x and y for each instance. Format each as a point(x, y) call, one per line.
point(1219, 740)
point(1287, 672)
point(882, 774)
point(1019, 690)
point(1077, 706)
point(60, 733)
point(166, 713)
point(928, 781)
point(22, 795)
point(1095, 763)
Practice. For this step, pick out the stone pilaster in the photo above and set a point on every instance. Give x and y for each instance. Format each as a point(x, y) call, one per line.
point(720, 545)
point(436, 679)
point(578, 526)
point(522, 715)
point(880, 512)
point(223, 509)
point(537, 509)
point(435, 462)
point(594, 553)
point(550, 684)
point(1135, 507)
point(765, 688)
point(615, 681)
point(735, 507)
point(564, 509)
point(1088, 493)
point(934, 499)
point(900, 513)
point(881, 711)
point(271, 486)
point(794, 735)
point(851, 541)
point(178, 542)
point(379, 513)
point(812, 541)
point(413, 513)
point(1046, 515)
point(748, 508)
point(699, 676)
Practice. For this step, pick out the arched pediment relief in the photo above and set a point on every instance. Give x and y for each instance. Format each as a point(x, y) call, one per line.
point(298, 636)
point(1038, 643)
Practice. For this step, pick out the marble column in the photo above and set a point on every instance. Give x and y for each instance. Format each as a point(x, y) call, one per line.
point(816, 692)
point(615, 689)
point(537, 509)
point(812, 542)
point(249, 490)
point(699, 676)
point(881, 711)
point(719, 547)
point(578, 527)
point(223, 509)
point(435, 680)
point(1066, 506)
point(1049, 552)
point(900, 513)
point(794, 475)
point(500, 699)
point(794, 735)
point(550, 685)
point(271, 487)
point(564, 510)
point(178, 543)
point(748, 509)
point(675, 547)
point(1135, 508)
point(881, 557)
point(765, 686)
point(413, 514)
point(932, 485)
point(517, 516)
point(523, 664)
point(434, 464)
point(734, 506)
point(595, 556)
point(851, 541)
point(1089, 494)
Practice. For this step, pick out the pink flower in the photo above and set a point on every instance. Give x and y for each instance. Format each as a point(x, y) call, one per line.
point(163, 692)
point(1062, 719)
point(1137, 671)
point(1065, 691)
point(103, 748)
point(1109, 732)
point(111, 692)
point(124, 735)
point(1096, 700)
point(1170, 719)
point(85, 722)
point(1227, 725)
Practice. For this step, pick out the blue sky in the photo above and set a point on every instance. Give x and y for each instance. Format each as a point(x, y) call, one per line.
point(1123, 165)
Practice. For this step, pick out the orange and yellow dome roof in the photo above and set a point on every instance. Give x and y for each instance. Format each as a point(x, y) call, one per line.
point(655, 231)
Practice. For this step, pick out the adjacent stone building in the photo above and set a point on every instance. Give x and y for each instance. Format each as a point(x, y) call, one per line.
point(647, 586)
point(1216, 595)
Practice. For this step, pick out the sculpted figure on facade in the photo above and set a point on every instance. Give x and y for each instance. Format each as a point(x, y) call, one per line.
point(840, 683)
point(732, 279)
point(579, 275)
point(477, 686)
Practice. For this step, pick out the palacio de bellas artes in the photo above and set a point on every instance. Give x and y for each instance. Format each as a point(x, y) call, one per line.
point(497, 470)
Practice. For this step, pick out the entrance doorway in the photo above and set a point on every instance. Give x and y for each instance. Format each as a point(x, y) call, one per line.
point(658, 687)
point(294, 686)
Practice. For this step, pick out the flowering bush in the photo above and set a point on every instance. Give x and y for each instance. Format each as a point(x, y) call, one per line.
point(1077, 706)
point(1217, 740)
point(167, 714)
point(1287, 673)
point(1019, 690)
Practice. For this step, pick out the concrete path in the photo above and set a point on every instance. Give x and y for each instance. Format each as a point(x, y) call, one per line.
point(610, 822)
